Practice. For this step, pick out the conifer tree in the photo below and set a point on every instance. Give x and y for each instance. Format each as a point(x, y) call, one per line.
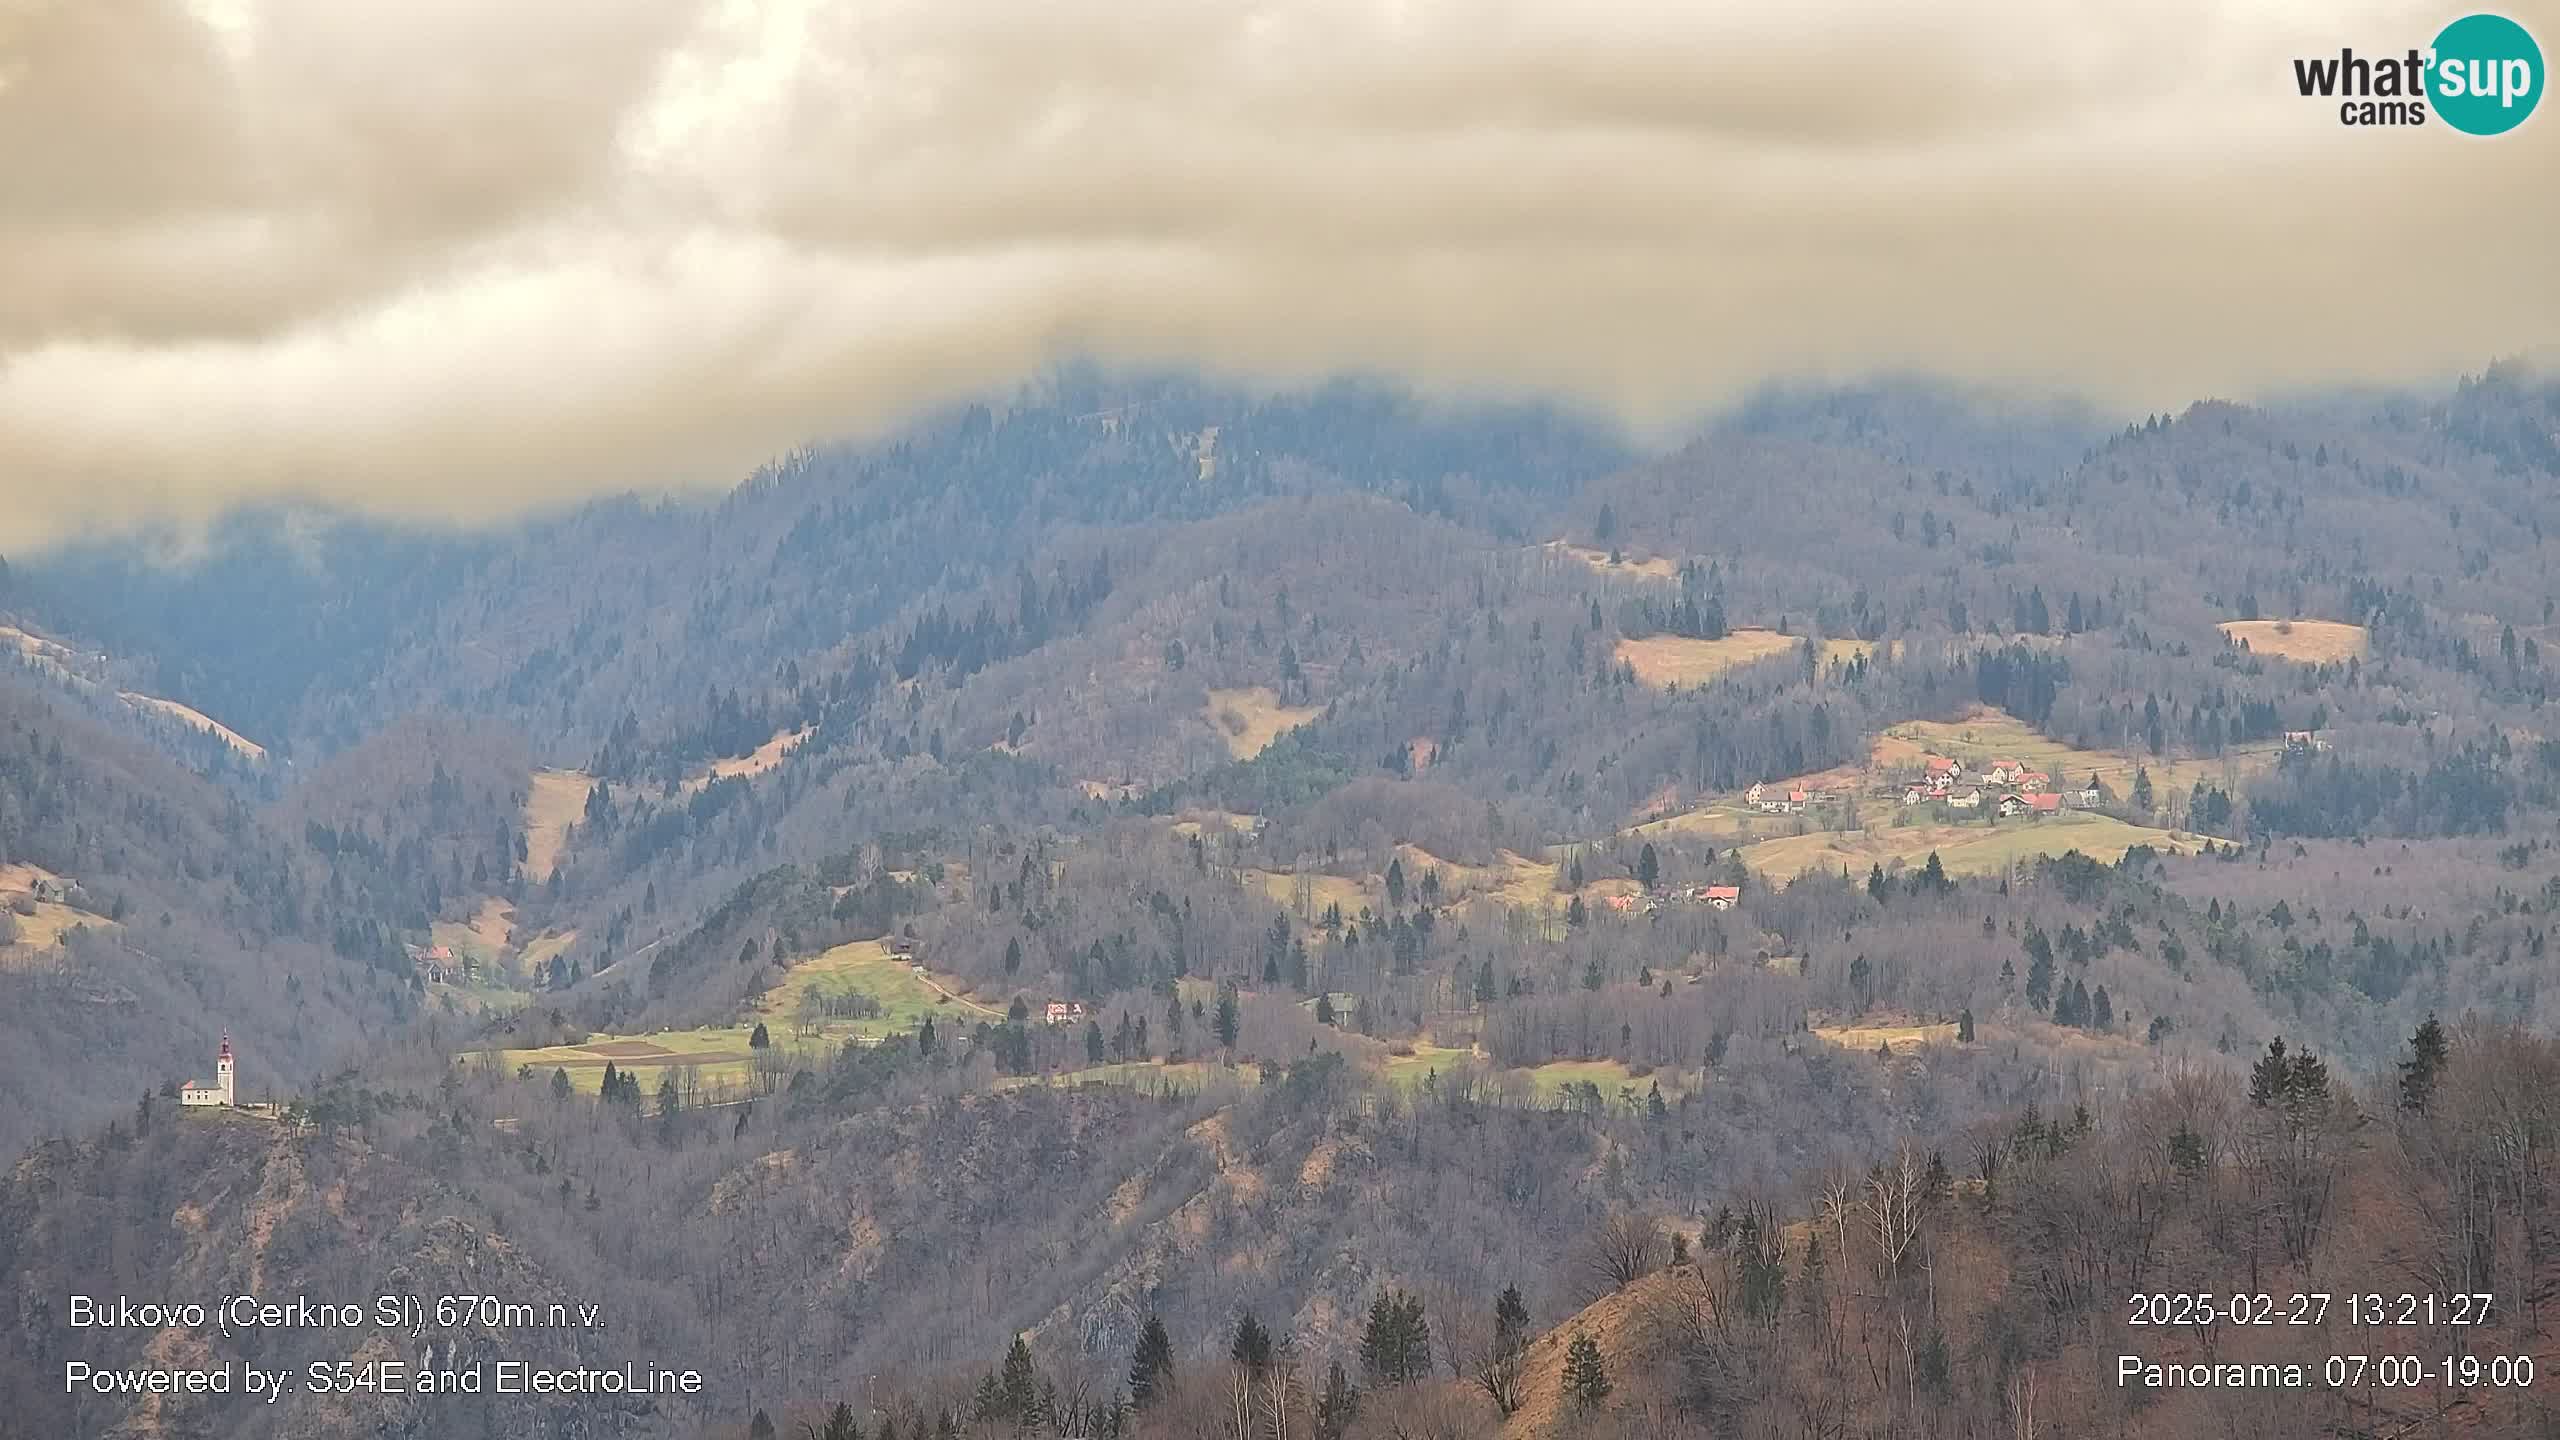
point(1586, 1375)
point(1251, 1349)
point(2427, 1051)
point(1020, 1383)
point(1151, 1368)
point(1395, 1347)
point(1337, 1405)
point(1229, 1021)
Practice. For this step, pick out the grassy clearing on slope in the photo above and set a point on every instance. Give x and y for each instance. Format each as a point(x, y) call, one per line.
point(1866, 1035)
point(540, 949)
point(2311, 642)
point(1987, 734)
point(1153, 1077)
point(1717, 820)
point(1251, 718)
point(1625, 567)
point(718, 1060)
point(1979, 848)
point(44, 929)
point(756, 762)
point(865, 967)
point(189, 715)
point(556, 800)
point(1665, 660)
point(723, 1055)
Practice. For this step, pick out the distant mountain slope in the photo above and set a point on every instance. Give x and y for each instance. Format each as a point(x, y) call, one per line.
point(192, 919)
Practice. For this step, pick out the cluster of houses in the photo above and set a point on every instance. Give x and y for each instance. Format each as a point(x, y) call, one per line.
point(1714, 897)
point(1063, 1012)
point(2008, 786)
point(1796, 800)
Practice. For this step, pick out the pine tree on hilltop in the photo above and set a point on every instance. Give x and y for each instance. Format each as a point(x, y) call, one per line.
point(1151, 1368)
point(1586, 1375)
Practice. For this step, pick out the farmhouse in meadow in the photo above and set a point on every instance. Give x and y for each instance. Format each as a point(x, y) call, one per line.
point(1969, 800)
point(2011, 807)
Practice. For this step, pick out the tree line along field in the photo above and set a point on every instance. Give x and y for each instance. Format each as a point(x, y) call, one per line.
point(1974, 848)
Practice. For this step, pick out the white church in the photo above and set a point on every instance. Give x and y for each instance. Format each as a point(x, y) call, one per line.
point(196, 1092)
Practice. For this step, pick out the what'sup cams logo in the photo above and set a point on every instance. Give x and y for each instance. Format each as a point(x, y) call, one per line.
point(2482, 76)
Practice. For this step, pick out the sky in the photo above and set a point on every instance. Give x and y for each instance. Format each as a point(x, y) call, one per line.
point(455, 259)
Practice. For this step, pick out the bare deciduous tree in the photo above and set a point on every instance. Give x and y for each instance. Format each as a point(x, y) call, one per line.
point(1620, 1250)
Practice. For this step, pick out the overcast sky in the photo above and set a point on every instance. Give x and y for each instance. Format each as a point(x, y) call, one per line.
point(451, 258)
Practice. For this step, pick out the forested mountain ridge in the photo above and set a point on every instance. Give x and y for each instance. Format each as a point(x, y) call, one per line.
point(1147, 851)
point(186, 914)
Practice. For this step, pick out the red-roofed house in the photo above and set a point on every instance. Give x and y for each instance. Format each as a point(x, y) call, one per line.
point(1723, 896)
point(2047, 803)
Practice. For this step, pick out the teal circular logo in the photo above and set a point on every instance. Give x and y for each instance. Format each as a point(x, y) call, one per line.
point(2486, 75)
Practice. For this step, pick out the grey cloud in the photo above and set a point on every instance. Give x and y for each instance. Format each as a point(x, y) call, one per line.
point(449, 261)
